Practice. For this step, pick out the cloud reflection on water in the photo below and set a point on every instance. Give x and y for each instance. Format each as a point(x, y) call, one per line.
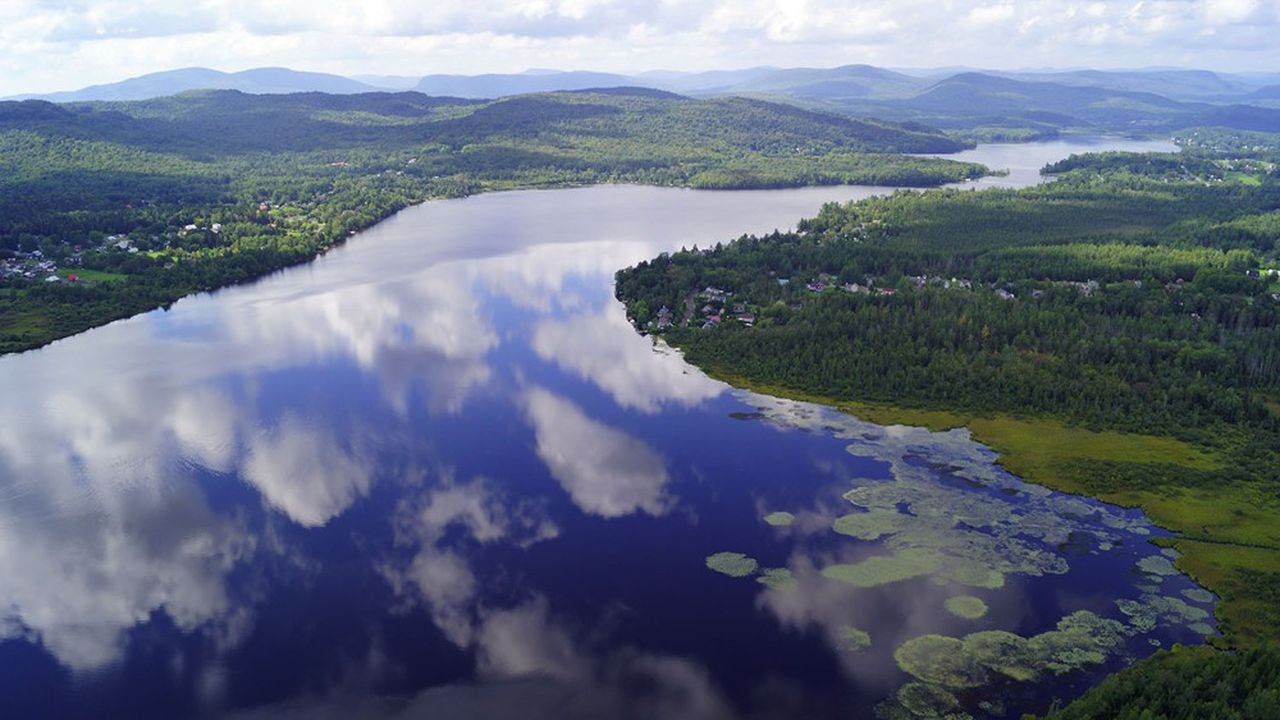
point(605, 471)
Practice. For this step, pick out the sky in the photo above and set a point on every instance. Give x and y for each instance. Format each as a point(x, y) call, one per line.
point(49, 45)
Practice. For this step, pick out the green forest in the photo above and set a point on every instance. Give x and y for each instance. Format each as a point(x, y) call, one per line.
point(1114, 333)
point(109, 209)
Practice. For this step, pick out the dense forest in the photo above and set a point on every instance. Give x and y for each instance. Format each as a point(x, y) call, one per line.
point(1132, 304)
point(1187, 684)
point(108, 209)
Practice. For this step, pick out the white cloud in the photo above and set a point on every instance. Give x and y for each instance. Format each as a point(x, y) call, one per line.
point(52, 47)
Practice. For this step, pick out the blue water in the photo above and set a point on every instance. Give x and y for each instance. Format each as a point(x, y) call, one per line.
point(435, 473)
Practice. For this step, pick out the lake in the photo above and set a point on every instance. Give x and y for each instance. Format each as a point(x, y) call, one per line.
point(436, 473)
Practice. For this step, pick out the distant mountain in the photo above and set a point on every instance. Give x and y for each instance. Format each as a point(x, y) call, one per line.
point(496, 86)
point(1173, 84)
point(969, 101)
point(1017, 104)
point(394, 83)
point(850, 81)
point(258, 81)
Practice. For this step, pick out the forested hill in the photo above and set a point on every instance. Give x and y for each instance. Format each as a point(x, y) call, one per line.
point(111, 208)
point(228, 121)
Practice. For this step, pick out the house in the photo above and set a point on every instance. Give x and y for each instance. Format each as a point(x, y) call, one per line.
point(1004, 294)
point(73, 277)
point(747, 319)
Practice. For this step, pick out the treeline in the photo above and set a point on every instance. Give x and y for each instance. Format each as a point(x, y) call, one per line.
point(1091, 300)
point(1187, 684)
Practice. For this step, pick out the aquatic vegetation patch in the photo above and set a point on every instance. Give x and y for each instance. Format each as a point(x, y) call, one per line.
point(873, 524)
point(971, 573)
point(1199, 595)
point(780, 519)
point(777, 579)
point(732, 564)
point(852, 639)
point(925, 700)
point(1003, 652)
point(1155, 610)
point(966, 606)
point(940, 660)
point(1202, 629)
point(1079, 640)
point(885, 569)
point(1157, 565)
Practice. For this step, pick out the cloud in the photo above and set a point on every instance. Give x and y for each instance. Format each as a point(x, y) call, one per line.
point(605, 471)
point(56, 47)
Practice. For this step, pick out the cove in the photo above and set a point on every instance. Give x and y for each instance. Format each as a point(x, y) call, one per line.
point(437, 473)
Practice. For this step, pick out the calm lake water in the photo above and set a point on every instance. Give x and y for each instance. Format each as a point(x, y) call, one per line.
point(435, 473)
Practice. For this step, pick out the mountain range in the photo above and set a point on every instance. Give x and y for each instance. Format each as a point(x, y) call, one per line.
point(1026, 102)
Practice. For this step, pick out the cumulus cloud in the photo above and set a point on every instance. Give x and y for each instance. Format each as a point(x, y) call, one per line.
point(56, 46)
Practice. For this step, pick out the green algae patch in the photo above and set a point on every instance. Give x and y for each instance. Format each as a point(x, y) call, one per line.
point(1157, 565)
point(966, 606)
point(885, 569)
point(1199, 595)
point(852, 639)
point(1003, 652)
point(1079, 640)
point(925, 700)
point(732, 564)
point(1201, 628)
point(777, 579)
point(940, 660)
point(971, 573)
point(780, 519)
point(1156, 610)
point(873, 524)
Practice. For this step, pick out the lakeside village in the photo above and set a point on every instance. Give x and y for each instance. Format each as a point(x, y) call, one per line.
point(720, 306)
point(98, 257)
point(65, 267)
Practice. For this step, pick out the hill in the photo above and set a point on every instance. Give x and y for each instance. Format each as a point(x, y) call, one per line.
point(172, 82)
point(498, 85)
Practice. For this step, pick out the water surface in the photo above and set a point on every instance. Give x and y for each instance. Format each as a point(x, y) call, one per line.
point(435, 473)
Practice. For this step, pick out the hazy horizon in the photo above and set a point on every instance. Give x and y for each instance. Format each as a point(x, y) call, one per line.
point(51, 47)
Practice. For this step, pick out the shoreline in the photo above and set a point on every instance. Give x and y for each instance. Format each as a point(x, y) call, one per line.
point(353, 231)
point(1018, 440)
